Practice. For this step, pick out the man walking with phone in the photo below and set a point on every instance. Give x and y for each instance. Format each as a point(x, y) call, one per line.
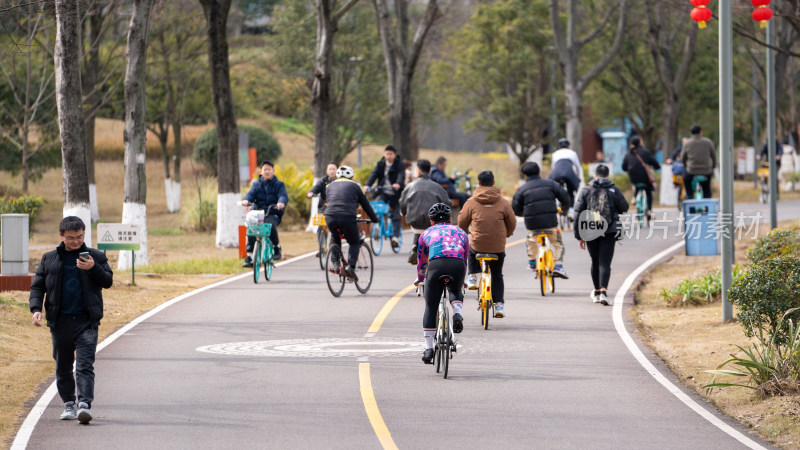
point(68, 287)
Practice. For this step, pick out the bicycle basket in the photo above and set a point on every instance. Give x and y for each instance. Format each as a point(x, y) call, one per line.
point(259, 229)
point(319, 220)
point(380, 207)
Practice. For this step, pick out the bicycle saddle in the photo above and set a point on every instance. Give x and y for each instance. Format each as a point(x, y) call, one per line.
point(486, 256)
point(538, 232)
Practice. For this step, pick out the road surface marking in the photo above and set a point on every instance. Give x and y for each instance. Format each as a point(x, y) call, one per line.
point(371, 406)
point(619, 324)
point(387, 308)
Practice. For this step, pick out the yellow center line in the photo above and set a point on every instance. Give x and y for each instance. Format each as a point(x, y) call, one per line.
point(387, 308)
point(384, 436)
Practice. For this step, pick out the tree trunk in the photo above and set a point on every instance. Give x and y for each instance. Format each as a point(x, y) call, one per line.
point(134, 209)
point(574, 102)
point(89, 83)
point(401, 117)
point(322, 102)
point(70, 113)
point(229, 213)
point(174, 191)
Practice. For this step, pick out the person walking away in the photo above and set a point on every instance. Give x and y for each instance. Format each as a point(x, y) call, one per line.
point(635, 163)
point(536, 202)
point(439, 175)
point(489, 220)
point(597, 226)
point(699, 156)
point(415, 201)
point(267, 191)
point(68, 287)
point(389, 177)
point(441, 250)
point(567, 169)
point(322, 184)
point(344, 198)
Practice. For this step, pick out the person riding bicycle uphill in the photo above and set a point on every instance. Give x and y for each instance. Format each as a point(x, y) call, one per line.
point(536, 202)
point(442, 250)
point(344, 197)
point(267, 190)
point(566, 170)
point(634, 164)
point(389, 177)
point(489, 219)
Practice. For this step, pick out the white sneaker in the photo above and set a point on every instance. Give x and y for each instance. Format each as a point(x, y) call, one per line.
point(595, 296)
point(70, 409)
point(84, 415)
point(605, 300)
point(472, 282)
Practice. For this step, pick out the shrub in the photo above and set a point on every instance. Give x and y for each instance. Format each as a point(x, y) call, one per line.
point(696, 291)
point(362, 173)
point(297, 184)
point(780, 241)
point(201, 211)
point(205, 148)
point(765, 293)
point(27, 204)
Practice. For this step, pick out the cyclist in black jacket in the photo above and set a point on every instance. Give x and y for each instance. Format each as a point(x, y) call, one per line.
point(344, 197)
point(321, 187)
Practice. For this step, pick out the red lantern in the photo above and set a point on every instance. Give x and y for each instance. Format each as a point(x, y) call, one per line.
point(701, 14)
point(702, 3)
point(762, 13)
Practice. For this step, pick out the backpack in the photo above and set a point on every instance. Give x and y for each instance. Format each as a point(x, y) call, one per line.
point(600, 203)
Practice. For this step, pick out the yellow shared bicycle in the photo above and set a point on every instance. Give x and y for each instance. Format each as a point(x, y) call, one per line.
point(545, 263)
point(485, 303)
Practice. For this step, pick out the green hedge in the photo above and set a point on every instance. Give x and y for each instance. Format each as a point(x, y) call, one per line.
point(205, 148)
point(780, 241)
point(27, 204)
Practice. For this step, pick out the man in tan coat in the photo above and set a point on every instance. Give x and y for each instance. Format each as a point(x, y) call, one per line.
point(489, 220)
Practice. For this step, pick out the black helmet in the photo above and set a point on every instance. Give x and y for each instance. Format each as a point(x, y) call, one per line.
point(563, 143)
point(439, 212)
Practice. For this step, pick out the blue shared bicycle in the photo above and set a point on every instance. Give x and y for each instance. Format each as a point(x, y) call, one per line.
point(383, 229)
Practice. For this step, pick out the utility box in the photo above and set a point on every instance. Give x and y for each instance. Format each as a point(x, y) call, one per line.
point(14, 243)
point(701, 226)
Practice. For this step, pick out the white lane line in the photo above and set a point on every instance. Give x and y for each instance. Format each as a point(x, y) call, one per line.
point(651, 369)
point(25, 431)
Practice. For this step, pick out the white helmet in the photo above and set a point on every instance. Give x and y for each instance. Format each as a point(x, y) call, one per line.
point(345, 171)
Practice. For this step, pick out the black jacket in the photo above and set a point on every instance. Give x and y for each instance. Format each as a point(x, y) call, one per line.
point(397, 174)
point(536, 202)
point(268, 192)
point(620, 205)
point(321, 189)
point(636, 171)
point(46, 287)
point(344, 196)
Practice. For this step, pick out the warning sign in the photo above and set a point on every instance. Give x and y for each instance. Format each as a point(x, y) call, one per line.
point(118, 236)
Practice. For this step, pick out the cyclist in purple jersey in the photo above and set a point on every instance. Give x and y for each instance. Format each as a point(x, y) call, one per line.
point(442, 250)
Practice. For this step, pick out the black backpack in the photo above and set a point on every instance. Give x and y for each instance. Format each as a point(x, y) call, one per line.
point(599, 201)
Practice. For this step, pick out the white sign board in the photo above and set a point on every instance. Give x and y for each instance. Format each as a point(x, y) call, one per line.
point(118, 236)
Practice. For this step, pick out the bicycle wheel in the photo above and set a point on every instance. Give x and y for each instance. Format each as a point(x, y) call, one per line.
point(446, 357)
point(267, 260)
point(256, 260)
point(376, 238)
point(364, 269)
point(640, 211)
point(543, 281)
point(322, 241)
point(334, 277)
point(437, 357)
point(487, 311)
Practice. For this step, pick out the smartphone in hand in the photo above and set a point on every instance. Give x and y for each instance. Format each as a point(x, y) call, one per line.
point(84, 255)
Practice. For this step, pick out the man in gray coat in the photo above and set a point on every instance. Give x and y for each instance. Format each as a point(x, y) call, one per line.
point(699, 156)
point(417, 199)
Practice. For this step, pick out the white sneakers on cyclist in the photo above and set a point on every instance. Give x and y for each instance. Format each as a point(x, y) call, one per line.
point(472, 281)
point(498, 310)
point(595, 296)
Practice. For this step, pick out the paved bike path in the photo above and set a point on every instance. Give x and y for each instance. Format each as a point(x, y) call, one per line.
point(553, 374)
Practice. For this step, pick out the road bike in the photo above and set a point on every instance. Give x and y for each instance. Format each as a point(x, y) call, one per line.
point(545, 263)
point(322, 238)
point(485, 303)
point(444, 344)
point(335, 275)
point(383, 229)
point(642, 207)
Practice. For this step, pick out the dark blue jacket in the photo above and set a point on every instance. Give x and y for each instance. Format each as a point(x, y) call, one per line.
point(268, 192)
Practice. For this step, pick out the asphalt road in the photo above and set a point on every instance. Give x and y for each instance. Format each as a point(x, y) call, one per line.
point(283, 364)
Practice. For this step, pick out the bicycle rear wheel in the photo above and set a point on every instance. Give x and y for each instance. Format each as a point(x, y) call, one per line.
point(333, 274)
point(437, 357)
point(364, 268)
point(446, 357)
point(322, 241)
point(376, 238)
point(256, 260)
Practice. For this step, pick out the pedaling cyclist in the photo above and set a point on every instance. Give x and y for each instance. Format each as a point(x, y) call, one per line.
point(321, 187)
point(344, 196)
point(442, 250)
point(566, 169)
point(267, 190)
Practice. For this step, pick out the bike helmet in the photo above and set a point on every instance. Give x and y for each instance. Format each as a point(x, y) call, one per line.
point(563, 143)
point(439, 212)
point(345, 171)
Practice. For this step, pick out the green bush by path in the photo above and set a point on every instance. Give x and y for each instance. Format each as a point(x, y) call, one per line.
point(298, 183)
point(205, 148)
point(27, 204)
point(780, 241)
point(698, 291)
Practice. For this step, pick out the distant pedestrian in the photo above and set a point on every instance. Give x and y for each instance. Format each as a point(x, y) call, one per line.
point(68, 287)
point(597, 211)
point(417, 198)
point(699, 156)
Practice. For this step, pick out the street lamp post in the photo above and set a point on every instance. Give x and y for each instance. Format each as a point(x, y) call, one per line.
point(771, 131)
point(726, 153)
